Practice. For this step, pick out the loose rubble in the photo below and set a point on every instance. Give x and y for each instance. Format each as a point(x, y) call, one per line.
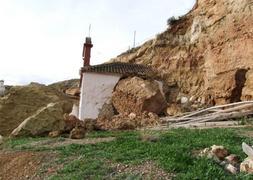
point(220, 155)
point(230, 162)
point(128, 121)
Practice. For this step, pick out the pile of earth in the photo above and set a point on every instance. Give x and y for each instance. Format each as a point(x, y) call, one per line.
point(22, 102)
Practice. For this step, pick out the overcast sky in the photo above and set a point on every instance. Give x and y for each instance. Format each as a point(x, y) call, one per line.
point(42, 40)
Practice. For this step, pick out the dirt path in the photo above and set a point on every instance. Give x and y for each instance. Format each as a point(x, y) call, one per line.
point(22, 165)
point(52, 143)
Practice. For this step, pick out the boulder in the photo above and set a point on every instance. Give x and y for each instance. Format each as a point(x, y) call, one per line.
point(78, 132)
point(71, 122)
point(54, 134)
point(27, 100)
point(173, 109)
point(233, 160)
point(137, 95)
point(247, 165)
point(46, 119)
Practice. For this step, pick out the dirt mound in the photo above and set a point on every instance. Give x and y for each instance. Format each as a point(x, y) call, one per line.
point(206, 54)
point(23, 101)
point(128, 121)
point(22, 165)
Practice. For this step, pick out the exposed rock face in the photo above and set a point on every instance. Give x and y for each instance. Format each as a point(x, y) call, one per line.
point(23, 101)
point(206, 53)
point(45, 120)
point(137, 95)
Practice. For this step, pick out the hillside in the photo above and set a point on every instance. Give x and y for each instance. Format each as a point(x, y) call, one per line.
point(205, 55)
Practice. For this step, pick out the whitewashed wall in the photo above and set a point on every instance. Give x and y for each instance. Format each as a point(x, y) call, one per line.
point(2, 88)
point(96, 90)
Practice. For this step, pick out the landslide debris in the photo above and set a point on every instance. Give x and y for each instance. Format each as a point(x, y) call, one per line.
point(137, 95)
point(128, 121)
point(22, 102)
point(44, 120)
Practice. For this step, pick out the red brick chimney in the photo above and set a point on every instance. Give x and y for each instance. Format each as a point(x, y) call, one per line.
point(86, 51)
point(86, 56)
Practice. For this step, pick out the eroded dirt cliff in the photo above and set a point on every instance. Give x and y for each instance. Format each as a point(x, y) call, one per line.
point(206, 55)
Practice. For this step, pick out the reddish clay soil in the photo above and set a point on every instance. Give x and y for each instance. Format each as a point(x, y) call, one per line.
point(22, 165)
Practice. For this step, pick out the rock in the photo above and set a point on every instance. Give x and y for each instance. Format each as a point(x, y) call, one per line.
point(247, 165)
point(132, 115)
point(90, 124)
point(247, 91)
point(247, 150)
point(71, 122)
point(233, 160)
point(231, 168)
point(77, 133)
point(137, 95)
point(73, 91)
point(173, 109)
point(205, 152)
point(27, 100)
point(219, 151)
point(184, 100)
point(1, 139)
point(46, 119)
point(54, 134)
point(107, 111)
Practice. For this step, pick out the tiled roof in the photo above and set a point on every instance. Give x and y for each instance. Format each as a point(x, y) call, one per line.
point(121, 68)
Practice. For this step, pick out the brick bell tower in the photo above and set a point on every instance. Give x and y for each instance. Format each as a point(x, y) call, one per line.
point(86, 56)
